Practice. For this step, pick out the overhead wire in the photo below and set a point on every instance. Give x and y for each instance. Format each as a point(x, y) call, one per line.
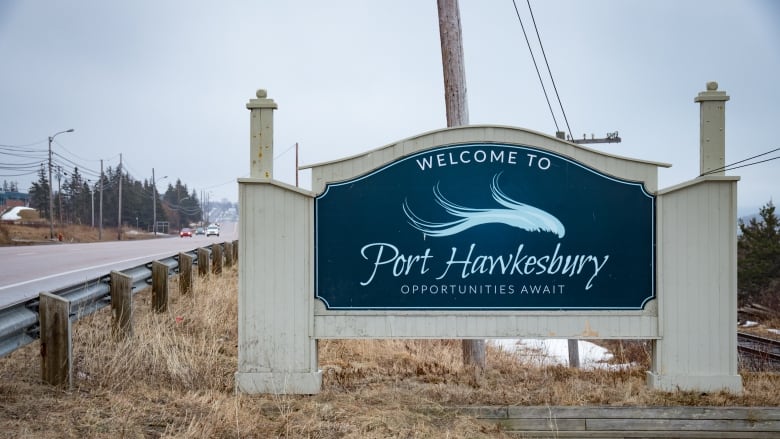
point(536, 66)
point(731, 167)
point(57, 160)
point(83, 169)
point(73, 154)
point(552, 80)
point(285, 151)
point(65, 165)
point(11, 166)
point(547, 65)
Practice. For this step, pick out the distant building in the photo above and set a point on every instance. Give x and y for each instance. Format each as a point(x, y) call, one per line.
point(13, 199)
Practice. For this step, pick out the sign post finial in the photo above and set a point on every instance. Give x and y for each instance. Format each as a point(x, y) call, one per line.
point(261, 136)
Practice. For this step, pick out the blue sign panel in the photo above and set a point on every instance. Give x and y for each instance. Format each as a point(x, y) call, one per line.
point(485, 227)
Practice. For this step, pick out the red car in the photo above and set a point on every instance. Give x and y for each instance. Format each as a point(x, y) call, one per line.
point(185, 232)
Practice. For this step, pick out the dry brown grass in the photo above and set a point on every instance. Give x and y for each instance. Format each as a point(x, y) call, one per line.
point(37, 232)
point(174, 378)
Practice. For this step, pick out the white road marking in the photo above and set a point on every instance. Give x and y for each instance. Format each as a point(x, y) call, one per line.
point(81, 269)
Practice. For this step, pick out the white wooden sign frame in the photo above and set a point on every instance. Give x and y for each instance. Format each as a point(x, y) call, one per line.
point(691, 322)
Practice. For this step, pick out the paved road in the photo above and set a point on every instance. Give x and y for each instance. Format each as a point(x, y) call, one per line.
point(25, 271)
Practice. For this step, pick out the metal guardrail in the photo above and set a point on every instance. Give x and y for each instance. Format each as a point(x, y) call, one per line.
point(19, 323)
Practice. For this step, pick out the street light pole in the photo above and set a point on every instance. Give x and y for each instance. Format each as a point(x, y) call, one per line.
point(51, 186)
point(154, 202)
point(92, 194)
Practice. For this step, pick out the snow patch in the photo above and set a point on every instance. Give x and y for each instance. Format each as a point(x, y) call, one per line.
point(550, 352)
point(13, 214)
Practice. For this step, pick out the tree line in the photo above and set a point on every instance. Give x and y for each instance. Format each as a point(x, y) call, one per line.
point(77, 200)
point(10, 186)
point(758, 259)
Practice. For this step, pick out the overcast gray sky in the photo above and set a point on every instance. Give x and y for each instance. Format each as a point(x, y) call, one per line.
point(165, 82)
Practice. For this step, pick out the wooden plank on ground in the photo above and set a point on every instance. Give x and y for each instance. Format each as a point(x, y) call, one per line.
point(678, 412)
point(553, 424)
point(651, 424)
point(628, 422)
point(670, 434)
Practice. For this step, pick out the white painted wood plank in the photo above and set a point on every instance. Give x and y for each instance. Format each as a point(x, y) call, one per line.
point(360, 324)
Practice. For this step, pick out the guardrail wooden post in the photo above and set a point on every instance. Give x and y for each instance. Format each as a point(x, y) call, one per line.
point(56, 347)
point(228, 254)
point(203, 262)
point(121, 304)
point(216, 258)
point(235, 251)
point(185, 273)
point(159, 286)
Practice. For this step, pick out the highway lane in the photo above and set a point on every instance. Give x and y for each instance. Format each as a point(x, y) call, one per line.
point(25, 271)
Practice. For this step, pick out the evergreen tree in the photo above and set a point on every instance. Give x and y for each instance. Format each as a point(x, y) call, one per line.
point(87, 196)
point(758, 253)
point(77, 207)
point(181, 206)
point(40, 192)
point(110, 197)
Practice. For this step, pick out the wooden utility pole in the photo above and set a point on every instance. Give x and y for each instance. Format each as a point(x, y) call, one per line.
point(119, 214)
point(154, 204)
point(100, 217)
point(457, 113)
point(452, 63)
point(59, 191)
point(574, 347)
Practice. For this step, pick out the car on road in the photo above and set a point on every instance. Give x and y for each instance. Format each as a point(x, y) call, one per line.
point(185, 232)
point(199, 231)
point(212, 230)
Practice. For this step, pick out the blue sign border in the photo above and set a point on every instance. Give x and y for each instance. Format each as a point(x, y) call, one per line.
point(358, 203)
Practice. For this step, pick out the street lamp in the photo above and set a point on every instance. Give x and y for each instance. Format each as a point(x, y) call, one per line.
point(51, 186)
point(154, 202)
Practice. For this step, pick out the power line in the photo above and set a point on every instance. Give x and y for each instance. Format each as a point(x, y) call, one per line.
point(75, 155)
point(285, 151)
point(731, 167)
point(25, 145)
point(81, 167)
point(549, 71)
point(536, 66)
point(22, 149)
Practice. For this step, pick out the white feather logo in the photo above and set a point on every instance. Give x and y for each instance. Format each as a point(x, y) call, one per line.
point(513, 214)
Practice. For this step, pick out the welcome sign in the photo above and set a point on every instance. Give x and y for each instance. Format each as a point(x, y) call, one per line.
point(485, 226)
